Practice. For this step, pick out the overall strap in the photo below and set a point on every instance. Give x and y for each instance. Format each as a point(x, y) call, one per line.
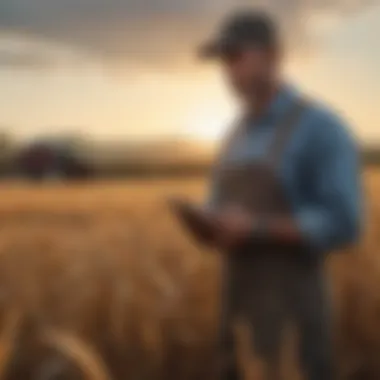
point(284, 131)
point(237, 127)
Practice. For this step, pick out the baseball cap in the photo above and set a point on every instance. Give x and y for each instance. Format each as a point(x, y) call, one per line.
point(239, 31)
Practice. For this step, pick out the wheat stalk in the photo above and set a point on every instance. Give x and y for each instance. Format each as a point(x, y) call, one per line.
point(81, 353)
point(8, 338)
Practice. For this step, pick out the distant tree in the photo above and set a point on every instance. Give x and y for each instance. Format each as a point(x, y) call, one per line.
point(52, 158)
point(7, 151)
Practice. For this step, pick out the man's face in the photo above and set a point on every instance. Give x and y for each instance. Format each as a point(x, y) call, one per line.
point(249, 70)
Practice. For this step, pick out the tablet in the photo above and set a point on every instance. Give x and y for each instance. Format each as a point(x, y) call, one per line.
point(196, 220)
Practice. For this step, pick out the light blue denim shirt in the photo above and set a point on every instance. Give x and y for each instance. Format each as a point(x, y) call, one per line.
point(319, 171)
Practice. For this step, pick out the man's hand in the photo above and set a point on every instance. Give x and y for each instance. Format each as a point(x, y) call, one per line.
point(197, 221)
point(233, 227)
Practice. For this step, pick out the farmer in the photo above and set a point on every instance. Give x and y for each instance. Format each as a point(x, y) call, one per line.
point(285, 193)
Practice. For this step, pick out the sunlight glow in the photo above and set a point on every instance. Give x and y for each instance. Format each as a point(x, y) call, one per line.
point(208, 122)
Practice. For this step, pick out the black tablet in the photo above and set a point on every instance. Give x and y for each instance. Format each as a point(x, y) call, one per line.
point(196, 220)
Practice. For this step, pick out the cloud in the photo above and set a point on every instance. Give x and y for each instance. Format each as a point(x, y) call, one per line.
point(24, 60)
point(148, 31)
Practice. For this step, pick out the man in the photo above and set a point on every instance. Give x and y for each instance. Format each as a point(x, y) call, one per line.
point(286, 191)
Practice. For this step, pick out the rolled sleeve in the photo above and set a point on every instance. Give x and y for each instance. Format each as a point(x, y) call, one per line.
point(331, 217)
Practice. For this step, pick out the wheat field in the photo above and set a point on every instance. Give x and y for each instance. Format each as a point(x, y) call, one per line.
point(98, 282)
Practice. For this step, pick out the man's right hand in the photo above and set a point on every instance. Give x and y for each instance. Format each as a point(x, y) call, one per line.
point(232, 226)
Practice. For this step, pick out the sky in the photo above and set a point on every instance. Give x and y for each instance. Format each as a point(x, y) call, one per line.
point(126, 68)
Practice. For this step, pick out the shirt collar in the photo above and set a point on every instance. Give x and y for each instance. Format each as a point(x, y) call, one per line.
point(280, 103)
point(283, 99)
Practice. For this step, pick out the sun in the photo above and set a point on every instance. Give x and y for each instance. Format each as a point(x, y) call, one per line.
point(205, 127)
point(207, 122)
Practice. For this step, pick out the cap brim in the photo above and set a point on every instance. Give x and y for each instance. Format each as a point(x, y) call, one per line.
point(217, 48)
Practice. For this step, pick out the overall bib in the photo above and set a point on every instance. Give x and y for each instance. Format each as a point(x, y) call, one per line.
point(267, 285)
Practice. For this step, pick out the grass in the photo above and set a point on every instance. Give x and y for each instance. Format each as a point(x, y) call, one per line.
point(99, 282)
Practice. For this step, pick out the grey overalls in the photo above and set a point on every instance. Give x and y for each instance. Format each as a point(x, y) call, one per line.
point(271, 286)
